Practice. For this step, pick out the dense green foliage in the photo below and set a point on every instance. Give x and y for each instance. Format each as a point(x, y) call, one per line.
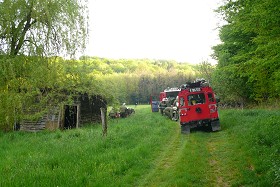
point(136, 80)
point(147, 149)
point(31, 85)
point(30, 32)
point(39, 27)
point(248, 57)
point(27, 83)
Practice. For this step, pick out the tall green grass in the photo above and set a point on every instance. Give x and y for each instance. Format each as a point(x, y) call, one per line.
point(244, 153)
point(82, 157)
point(147, 149)
point(257, 133)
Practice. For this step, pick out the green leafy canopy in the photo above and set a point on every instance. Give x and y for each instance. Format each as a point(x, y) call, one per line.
point(34, 27)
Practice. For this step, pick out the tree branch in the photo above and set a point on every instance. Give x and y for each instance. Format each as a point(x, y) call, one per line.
point(28, 23)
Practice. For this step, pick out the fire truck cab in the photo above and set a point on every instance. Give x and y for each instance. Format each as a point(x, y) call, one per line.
point(197, 107)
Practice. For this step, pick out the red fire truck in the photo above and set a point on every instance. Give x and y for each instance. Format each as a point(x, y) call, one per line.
point(197, 107)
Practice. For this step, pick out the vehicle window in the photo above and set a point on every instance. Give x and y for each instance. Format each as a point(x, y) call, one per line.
point(194, 99)
point(182, 101)
point(210, 97)
point(172, 94)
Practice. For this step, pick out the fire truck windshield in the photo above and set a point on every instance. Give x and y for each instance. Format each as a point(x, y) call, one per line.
point(172, 94)
point(194, 99)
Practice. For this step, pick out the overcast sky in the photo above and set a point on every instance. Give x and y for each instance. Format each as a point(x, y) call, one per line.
point(181, 30)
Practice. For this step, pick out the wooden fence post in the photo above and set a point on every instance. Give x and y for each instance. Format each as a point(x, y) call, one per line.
point(104, 121)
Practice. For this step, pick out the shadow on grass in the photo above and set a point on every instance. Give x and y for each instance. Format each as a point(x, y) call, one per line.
point(207, 129)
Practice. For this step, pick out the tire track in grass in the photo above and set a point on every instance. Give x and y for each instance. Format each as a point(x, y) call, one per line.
point(180, 163)
point(164, 162)
point(225, 160)
point(215, 171)
point(197, 159)
point(200, 158)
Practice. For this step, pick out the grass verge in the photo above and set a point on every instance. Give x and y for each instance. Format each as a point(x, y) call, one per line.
point(82, 157)
point(147, 149)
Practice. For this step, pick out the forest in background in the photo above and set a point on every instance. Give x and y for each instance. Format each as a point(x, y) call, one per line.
point(248, 57)
point(33, 83)
point(34, 33)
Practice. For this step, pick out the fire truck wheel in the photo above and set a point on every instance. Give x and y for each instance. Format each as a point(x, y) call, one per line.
point(185, 129)
point(216, 125)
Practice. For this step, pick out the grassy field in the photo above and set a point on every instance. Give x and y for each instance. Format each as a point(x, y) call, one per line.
point(82, 157)
point(147, 149)
point(245, 153)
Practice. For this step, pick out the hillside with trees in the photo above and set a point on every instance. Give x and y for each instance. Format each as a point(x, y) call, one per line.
point(33, 83)
point(33, 75)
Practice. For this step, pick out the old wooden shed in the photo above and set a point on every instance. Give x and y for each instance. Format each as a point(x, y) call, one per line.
point(84, 110)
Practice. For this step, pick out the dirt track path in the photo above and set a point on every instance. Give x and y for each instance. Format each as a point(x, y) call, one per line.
point(198, 159)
